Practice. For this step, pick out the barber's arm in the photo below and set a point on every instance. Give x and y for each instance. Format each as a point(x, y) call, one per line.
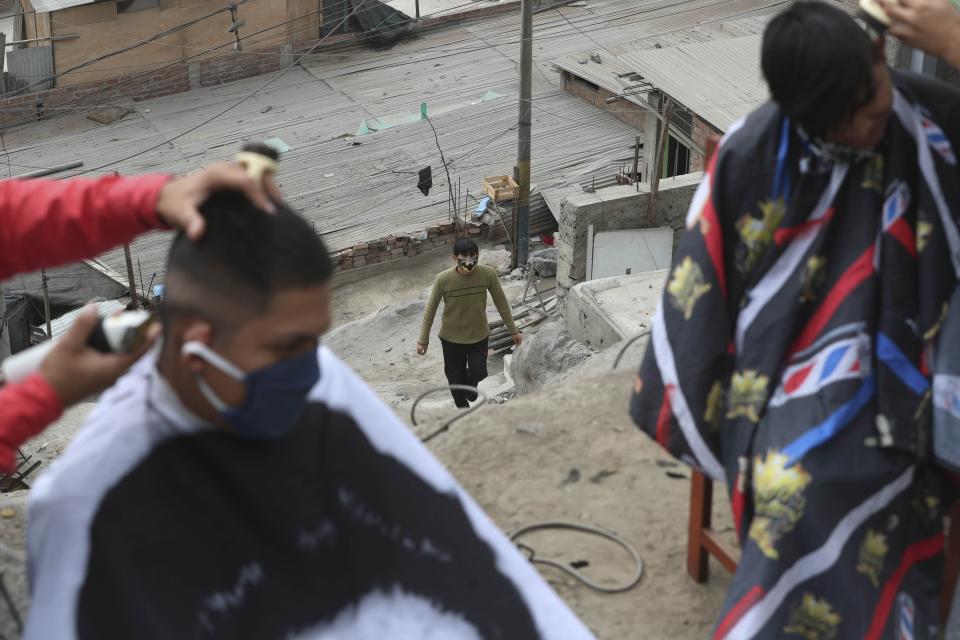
point(436, 295)
point(44, 223)
point(930, 25)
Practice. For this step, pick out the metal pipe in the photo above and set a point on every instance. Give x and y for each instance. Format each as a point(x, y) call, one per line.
point(13, 43)
point(39, 173)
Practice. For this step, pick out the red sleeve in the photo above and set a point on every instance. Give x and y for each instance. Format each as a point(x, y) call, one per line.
point(25, 410)
point(45, 223)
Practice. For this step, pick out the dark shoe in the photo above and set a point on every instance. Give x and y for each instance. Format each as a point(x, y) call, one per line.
point(471, 395)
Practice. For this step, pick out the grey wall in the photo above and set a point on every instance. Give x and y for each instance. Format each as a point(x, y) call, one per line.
point(616, 209)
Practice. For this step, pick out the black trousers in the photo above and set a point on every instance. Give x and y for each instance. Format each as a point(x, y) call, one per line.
point(464, 364)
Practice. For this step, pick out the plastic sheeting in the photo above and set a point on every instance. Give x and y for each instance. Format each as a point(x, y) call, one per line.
point(70, 286)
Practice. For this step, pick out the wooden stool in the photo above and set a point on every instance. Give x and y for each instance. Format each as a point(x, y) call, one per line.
point(702, 541)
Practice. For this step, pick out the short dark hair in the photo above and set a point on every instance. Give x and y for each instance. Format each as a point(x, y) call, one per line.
point(245, 255)
point(465, 247)
point(818, 63)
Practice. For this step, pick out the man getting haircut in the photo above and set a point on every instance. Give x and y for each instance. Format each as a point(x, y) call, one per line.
point(242, 482)
point(794, 348)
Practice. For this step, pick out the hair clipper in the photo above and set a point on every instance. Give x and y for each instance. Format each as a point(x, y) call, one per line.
point(120, 333)
point(874, 15)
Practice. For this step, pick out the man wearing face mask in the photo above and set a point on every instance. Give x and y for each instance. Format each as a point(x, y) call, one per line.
point(464, 330)
point(239, 482)
point(800, 348)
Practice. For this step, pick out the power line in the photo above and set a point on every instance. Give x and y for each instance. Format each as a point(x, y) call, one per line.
point(359, 39)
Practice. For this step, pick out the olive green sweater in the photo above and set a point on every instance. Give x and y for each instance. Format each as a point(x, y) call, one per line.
point(465, 305)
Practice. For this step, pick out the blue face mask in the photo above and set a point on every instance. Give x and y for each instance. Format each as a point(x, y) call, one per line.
point(274, 394)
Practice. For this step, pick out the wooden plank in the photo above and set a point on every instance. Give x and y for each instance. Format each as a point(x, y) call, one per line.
point(951, 572)
point(719, 550)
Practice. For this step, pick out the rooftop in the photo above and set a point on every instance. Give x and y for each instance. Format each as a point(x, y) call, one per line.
point(718, 80)
point(356, 186)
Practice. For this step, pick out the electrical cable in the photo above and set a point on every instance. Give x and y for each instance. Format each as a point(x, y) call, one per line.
point(3, 143)
point(479, 34)
point(624, 348)
point(236, 104)
point(482, 397)
point(150, 72)
point(110, 54)
point(582, 528)
point(553, 524)
point(349, 44)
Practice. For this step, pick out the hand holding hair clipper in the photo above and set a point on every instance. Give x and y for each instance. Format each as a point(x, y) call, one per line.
point(932, 26)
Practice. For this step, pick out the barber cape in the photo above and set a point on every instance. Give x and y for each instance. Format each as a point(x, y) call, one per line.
point(156, 525)
point(791, 356)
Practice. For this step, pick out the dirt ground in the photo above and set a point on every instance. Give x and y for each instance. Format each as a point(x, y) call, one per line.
point(571, 453)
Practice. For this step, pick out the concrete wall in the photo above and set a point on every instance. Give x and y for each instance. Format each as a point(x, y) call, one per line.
point(603, 312)
point(615, 209)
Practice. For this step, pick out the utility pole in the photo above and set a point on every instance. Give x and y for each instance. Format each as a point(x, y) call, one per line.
point(130, 278)
point(658, 168)
point(521, 248)
point(131, 281)
point(46, 302)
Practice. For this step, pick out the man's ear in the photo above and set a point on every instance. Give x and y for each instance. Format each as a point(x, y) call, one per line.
point(197, 331)
point(880, 47)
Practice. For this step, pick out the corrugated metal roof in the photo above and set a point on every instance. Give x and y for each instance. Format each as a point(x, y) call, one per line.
point(55, 5)
point(720, 81)
point(62, 324)
point(358, 188)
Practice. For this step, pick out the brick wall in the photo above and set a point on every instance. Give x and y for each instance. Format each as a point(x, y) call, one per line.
point(633, 114)
point(623, 110)
point(701, 130)
point(403, 245)
point(175, 78)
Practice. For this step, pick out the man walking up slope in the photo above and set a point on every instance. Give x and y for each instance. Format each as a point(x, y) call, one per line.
point(464, 330)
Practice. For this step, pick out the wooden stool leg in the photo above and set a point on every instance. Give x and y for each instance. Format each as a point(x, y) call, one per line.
point(701, 508)
point(951, 572)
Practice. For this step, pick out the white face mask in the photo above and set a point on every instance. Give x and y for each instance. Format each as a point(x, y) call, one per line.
point(274, 394)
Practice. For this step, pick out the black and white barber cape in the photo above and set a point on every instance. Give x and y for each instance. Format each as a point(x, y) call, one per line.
point(154, 525)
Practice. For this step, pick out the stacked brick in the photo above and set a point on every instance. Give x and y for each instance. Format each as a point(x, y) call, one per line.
point(402, 245)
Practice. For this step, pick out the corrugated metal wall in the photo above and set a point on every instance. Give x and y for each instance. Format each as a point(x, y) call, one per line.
point(31, 65)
